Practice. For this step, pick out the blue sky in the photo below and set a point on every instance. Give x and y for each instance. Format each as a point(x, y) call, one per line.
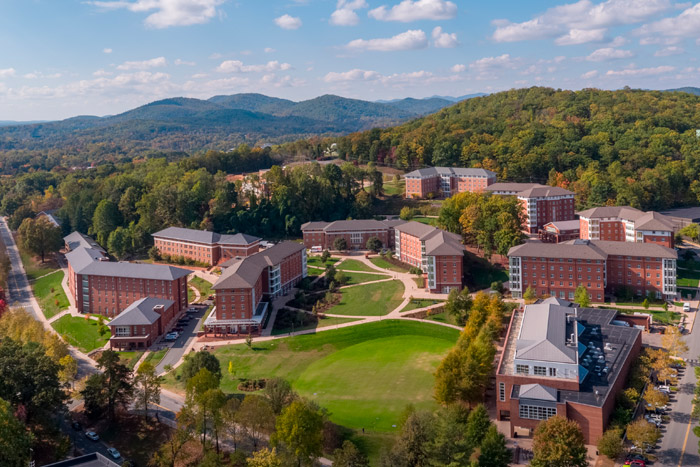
point(60, 58)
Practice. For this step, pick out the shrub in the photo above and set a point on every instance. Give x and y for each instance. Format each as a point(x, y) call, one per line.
point(610, 443)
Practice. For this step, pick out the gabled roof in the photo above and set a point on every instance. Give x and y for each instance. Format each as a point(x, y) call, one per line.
point(133, 270)
point(511, 187)
point(556, 301)
point(459, 171)
point(543, 191)
point(654, 221)
point(636, 250)
point(140, 313)
point(318, 225)
point(81, 257)
point(204, 236)
point(444, 244)
point(245, 272)
point(642, 220)
point(538, 392)
point(563, 226)
point(351, 225)
point(583, 250)
point(543, 334)
point(76, 239)
point(416, 229)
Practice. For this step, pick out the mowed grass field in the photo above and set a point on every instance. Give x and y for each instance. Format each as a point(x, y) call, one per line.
point(355, 265)
point(384, 264)
point(369, 300)
point(51, 302)
point(365, 375)
point(80, 332)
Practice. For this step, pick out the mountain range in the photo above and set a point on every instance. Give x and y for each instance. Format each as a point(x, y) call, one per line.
point(219, 122)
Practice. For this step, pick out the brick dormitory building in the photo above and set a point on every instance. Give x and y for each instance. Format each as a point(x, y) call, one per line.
point(626, 224)
point(247, 285)
point(203, 246)
point(355, 232)
point(115, 289)
point(443, 182)
point(560, 359)
point(603, 267)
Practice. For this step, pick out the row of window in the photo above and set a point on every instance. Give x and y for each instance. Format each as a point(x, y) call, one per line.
point(534, 412)
point(536, 370)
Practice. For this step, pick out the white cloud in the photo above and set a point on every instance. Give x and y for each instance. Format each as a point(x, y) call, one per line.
point(179, 61)
point(458, 68)
point(581, 36)
point(652, 71)
point(167, 13)
point(33, 75)
point(493, 63)
point(288, 22)
point(619, 41)
point(269, 50)
point(107, 51)
point(608, 53)
point(444, 40)
point(236, 66)
point(668, 51)
point(410, 10)
point(687, 24)
point(560, 21)
point(411, 39)
point(7, 72)
point(144, 64)
point(590, 74)
point(351, 75)
point(344, 14)
point(101, 72)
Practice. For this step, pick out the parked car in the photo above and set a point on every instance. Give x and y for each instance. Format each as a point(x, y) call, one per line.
point(114, 453)
point(637, 463)
point(77, 426)
point(665, 389)
point(686, 306)
point(178, 329)
point(171, 336)
point(92, 435)
point(633, 456)
point(653, 421)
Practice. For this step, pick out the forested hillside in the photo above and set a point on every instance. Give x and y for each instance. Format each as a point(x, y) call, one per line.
point(611, 147)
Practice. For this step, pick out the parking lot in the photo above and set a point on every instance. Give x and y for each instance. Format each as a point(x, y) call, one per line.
point(179, 346)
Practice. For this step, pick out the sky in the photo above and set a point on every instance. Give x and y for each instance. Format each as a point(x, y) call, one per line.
point(62, 58)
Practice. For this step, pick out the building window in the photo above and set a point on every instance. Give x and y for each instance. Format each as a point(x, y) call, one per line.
point(502, 392)
point(540, 370)
point(553, 372)
point(533, 412)
point(522, 369)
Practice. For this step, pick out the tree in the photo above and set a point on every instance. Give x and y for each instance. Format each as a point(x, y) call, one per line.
point(642, 434)
point(199, 401)
point(229, 415)
point(374, 244)
point(198, 360)
point(117, 381)
point(458, 305)
point(349, 456)
point(39, 236)
point(154, 253)
point(478, 424)
point(15, 440)
point(147, 386)
point(257, 417)
point(530, 295)
point(558, 442)
point(340, 244)
point(406, 213)
point(118, 242)
point(265, 458)
point(279, 394)
point(494, 452)
point(169, 452)
point(645, 303)
point(672, 341)
point(325, 256)
point(69, 368)
point(412, 449)
point(581, 296)
point(610, 443)
point(105, 220)
point(655, 398)
point(300, 428)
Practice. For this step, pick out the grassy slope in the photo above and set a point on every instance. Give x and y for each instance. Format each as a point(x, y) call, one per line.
point(316, 261)
point(51, 303)
point(204, 287)
point(34, 268)
point(355, 265)
point(322, 323)
point(156, 357)
point(370, 300)
point(359, 278)
point(384, 264)
point(80, 332)
point(420, 303)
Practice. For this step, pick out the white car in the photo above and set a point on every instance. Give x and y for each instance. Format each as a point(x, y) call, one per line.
point(114, 453)
point(653, 421)
point(171, 336)
point(665, 389)
point(686, 306)
point(92, 435)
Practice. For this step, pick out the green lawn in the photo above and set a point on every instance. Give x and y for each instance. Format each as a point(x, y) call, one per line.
point(384, 264)
point(204, 287)
point(316, 261)
point(658, 315)
point(34, 268)
point(50, 294)
point(426, 220)
point(156, 357)
point(322, 323)
point(442, 318)
point(335, 367)
point(392, 188)
point(355, 265)
point(639, 302)
point(315, 270)
point(190, 295)
point(420, 303)
point(359, 278)
point(130, 358)
point(480, 274)
point(369, 300)
point(80, 332)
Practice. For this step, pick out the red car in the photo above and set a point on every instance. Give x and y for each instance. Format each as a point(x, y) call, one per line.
point(636, 463)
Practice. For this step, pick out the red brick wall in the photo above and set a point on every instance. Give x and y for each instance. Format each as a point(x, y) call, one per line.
point(410, 249)
point(229, 252)
point(558, 279)
point(642, 275)
point(613, 231)
point(236, 303)
point(291, 269)
point(550, 210)
point(325, 240)
point(667, 241)
point(203, 253)
point(416, 187)
point(448, 272)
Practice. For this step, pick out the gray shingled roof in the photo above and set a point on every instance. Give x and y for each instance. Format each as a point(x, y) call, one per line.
point(538, 392)
point(591, 249)
point(435, 171)
point(351, 224)
point(635, 249)
point(416, 229)
point(544, 191)
point(511, 187)
point(654, 221)
point(642, 220)
point(243, 273)
point(205, 236)
point(318, 225)
point(140, 313)
point(76, 239)
point(443, 243)
point(133, 270)
point(566, 225)
point(543, 334)
point(81, 257)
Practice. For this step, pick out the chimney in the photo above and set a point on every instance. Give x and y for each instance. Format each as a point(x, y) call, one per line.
point(160, 309)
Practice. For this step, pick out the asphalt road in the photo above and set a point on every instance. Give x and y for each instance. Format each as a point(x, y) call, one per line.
point(178, 348)
point(679, 445)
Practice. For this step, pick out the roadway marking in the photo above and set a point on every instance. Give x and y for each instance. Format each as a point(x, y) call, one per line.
point(172, 411)
point(685, 442)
